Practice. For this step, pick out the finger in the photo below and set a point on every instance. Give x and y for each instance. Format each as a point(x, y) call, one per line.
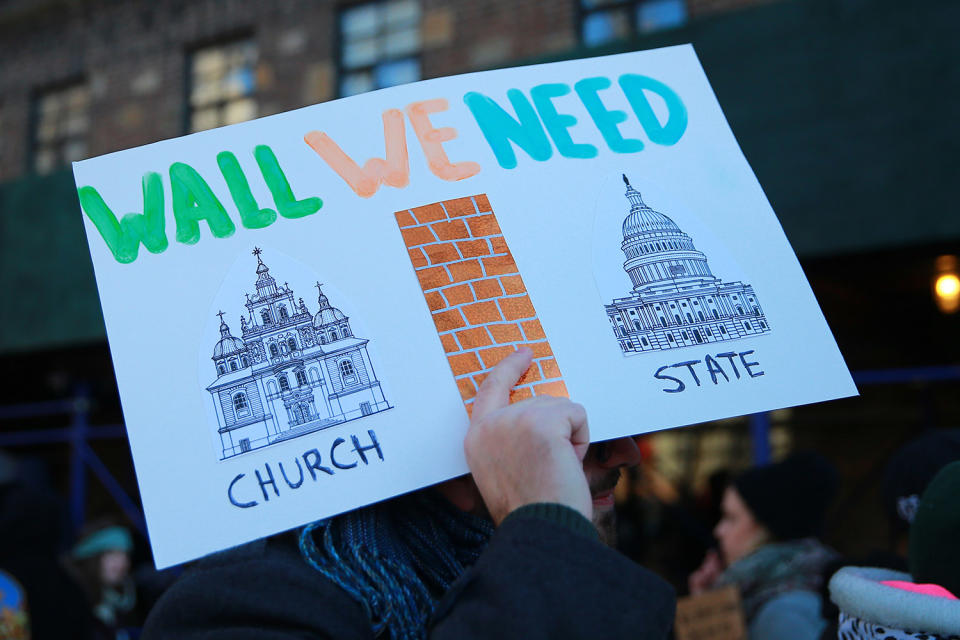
point(579, 429)
point(494, 391)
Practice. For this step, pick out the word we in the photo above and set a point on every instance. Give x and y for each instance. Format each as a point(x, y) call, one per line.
point(239, 489)
point(713, 369)
point(193, 202)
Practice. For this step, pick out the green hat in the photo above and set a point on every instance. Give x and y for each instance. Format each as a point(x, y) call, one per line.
point(935, 532)
point(109, 539)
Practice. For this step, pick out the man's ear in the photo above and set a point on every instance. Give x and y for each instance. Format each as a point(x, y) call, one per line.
point(462, 493)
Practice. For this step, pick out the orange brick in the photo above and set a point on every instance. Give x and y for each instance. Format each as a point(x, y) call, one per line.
point(416, 236)
point(433, 278)
point(458, 294)
point(483, 226)
point(473, 248)
point(429, 213)
point(498, 245)
point(450, 230)
point(532, 330)
point(541, 349)
point(465, 270)
point(467, 390)
point(505, 332)
point(440, 253)
point(417, 258)
point(459, 207)
point(479, 378)
point(474, 338)
point(523, 393)
point(513, 284)
point(517, 308)
point(448, 320)
point(449, 343)
point(469, 407)
point(482, 203)
point(435, 301)
point(532, 374)
point(494, 355)
point(464, 363)
point(550, 368)
point(482, 313)
point(404, 219)
point(555, 388)
point(499, 265)
point(487, 288)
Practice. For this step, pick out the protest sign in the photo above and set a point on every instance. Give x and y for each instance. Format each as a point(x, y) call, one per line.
point(713, 615)
point(300, 307)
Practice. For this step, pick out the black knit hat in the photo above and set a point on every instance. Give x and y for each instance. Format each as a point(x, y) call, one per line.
point(911, 469)
point(790, 498)
point(935, 533)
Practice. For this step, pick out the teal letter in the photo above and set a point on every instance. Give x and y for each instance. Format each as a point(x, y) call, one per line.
point(287, 205)
point(193, 200)
point(124, 237)
point(556, 123)
point(251, 215)
point(499, 127)
point(633, 87)
point(605, 119)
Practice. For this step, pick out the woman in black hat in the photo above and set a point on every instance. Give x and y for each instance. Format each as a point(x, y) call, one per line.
point(769, 549)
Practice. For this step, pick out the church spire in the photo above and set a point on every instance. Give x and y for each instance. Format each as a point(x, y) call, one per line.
point(322, 299)
point(224, 329)
point(632, 194)
point(266, 285)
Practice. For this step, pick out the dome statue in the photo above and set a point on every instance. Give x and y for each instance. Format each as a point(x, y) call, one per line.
point(228, 345)
point(642, 219)
point(327, 314)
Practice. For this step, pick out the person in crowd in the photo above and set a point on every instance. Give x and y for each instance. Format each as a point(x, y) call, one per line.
point(769, 547)
point(883, 604)
point(101, 559)
point(507, 553)
point(32, 531)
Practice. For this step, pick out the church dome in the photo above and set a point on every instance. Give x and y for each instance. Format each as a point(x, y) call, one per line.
point(642, 219)
point(327, 314)
point(228, 345)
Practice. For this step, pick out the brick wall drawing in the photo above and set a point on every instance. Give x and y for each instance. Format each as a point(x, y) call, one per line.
point(476, 295)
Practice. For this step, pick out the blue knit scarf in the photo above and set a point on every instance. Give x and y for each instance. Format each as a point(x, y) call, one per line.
point(397, 558)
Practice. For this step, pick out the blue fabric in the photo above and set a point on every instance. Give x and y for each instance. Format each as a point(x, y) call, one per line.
point(794, 615)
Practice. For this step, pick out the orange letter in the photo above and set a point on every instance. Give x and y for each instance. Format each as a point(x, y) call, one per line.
point(394, 171)
point(431, 139)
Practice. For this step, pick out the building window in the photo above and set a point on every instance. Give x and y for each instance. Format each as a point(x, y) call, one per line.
point(223, 84)
point(284, 383)
point(233, 365)
point(379, 45)
point(266, 316)
point(301, 378)
point(61, 123)
point(283, 313)
point(244, 362)
point(333, 335)
point(221, 369)
point(240, 404)
point(274, 352)
point(346, 369)
point(291, 344)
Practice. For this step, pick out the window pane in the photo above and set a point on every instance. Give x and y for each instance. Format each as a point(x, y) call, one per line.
point(354, 83)
point(74, 150)
point(239, 111)
point(400, 12)
point(239, 82)
point(606, 26)
point(204, 119)
point(390, 74)
point(400, 43)
point(359, 53)
point(661, 14)
point(359, 21)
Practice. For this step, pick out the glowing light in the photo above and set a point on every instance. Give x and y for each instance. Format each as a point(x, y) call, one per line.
point(946, 284)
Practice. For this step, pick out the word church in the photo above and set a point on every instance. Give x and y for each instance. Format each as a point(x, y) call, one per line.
point(676, 301)
point(292, 373)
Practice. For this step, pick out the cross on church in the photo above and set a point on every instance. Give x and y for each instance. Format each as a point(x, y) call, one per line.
point(257, 251)
point(221, 316)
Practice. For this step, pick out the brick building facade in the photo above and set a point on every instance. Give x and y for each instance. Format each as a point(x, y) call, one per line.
point(81, 79)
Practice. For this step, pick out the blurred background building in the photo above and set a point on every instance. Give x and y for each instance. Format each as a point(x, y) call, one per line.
point(846, 110)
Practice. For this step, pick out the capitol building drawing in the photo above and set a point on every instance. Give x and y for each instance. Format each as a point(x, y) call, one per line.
point(290, 372)
point(676, 301)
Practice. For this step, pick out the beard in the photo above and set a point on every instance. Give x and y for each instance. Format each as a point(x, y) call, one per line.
point(605, 516)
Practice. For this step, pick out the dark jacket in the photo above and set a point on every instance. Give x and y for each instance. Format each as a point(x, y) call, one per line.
point(536, 579)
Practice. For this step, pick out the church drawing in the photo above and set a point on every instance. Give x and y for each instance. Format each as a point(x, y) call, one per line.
point(290, 372)
point(676, 300)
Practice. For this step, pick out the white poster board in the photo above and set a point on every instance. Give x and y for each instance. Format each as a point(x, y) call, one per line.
point(300, 307)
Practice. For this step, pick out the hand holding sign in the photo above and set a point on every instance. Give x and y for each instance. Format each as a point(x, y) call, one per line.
point(526, 452)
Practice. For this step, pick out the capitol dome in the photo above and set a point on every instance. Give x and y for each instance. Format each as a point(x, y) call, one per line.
point(642, 219)
point(228, 345)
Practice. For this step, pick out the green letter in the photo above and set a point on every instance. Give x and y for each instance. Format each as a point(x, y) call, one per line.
point(287, 205)
point(558, 123)
point(605, 119)
point(124, 237)
point(193, 201)
point(499, 127)
point(252, 216)
point(633, 87)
